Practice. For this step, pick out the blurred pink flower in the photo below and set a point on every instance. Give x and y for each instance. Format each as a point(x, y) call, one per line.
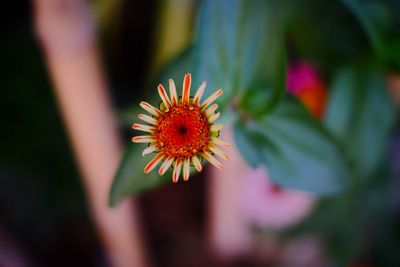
point(267, 205)
point(300, 76)
point(304, 82)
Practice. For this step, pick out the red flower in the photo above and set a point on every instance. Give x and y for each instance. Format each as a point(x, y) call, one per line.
point(182, 131)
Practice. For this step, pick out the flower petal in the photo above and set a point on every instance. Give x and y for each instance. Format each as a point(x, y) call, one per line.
point(186, 88)
point(196, 163)
point(216, 127)
point(148, 119)
point(172, 92)
point(165, 166)
point(142, 127)
point(177, 171)
point(218, 152)
point(164, 96)
point(211, 110)
point(199, 93)
point(186, 169)
point(214, 117)
point(149, 108)
point(143, 139)
point(153, 163)
point(212, 98)
point(219, 141)
point(212, 160)
point(148, 150)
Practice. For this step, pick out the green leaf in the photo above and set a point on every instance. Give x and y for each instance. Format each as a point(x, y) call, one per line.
point(246, 141)
point(318, 35)
point(391, 54)
point(360, 113)
point(176, 69)
point(130, 178)
point(239, 47)
point(297, 151)
point(373, 17)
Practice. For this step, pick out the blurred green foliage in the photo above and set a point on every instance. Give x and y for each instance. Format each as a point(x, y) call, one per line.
point(298, 151)
point(361, 114)
point(232, 51)
point(240, 46)
point(244, 48)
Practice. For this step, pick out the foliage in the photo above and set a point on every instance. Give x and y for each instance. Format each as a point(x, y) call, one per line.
point(236, 55)
point(360, 113)
point(245, 47)
point(242, 47)
point(282, 143)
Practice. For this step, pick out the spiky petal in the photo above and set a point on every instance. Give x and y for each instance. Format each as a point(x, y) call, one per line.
point(183, 132)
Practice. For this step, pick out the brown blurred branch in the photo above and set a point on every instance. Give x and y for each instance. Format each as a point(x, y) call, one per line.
point(66, 33)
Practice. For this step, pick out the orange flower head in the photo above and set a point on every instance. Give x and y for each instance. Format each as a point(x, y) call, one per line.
point(182, 132)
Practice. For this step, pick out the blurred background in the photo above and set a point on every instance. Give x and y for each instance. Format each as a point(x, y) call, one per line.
point(310, 104)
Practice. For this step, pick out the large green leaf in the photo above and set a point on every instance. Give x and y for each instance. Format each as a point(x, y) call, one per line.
point(239, 46)
point(360, 113)
point(296, 149)
point(130, 178)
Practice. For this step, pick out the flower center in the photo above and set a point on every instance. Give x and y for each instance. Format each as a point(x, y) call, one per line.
point(183, 131)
